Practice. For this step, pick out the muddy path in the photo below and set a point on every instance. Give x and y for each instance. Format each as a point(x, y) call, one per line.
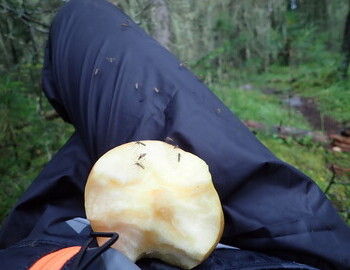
point(324, 128)
point(309, 109)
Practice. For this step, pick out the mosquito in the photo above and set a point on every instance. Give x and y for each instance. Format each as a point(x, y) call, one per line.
point(110, 59)
point(142, 156)
point(183, 65)
point(126, 24)
point(138, 142)
point(169, 139)
point(140, 165)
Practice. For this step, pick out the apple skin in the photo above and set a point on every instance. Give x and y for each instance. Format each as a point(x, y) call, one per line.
point(159, 199)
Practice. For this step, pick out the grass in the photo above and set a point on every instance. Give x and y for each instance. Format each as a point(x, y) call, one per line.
point(253, 104)
point(321, 82)
point(248, 100)
point(269, 110)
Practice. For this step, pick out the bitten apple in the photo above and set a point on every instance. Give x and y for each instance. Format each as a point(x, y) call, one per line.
point(159, 199)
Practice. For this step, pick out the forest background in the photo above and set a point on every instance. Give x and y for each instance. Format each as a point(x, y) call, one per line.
point(279, 65)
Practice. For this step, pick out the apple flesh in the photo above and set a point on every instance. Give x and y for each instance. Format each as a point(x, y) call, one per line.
point(159, 199)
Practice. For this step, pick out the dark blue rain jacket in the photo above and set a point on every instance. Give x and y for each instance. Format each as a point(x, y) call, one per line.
point(115, 84)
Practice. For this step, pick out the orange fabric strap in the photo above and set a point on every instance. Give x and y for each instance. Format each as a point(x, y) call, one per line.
point(55, 260)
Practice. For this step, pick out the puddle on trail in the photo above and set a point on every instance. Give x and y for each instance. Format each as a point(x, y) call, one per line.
point(293, 101)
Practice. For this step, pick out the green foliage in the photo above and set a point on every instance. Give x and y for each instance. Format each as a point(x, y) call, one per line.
point(23, 28)
point(27, 139)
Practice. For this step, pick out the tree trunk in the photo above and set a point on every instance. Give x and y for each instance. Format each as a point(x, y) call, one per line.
point(161, 23)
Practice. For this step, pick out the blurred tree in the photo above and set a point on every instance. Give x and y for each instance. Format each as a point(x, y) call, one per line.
point(27, 140)
point(161, 21)
point(23, 28)
point(345, 48)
